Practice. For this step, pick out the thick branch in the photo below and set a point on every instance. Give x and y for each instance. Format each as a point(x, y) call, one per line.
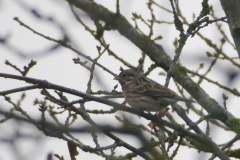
point(158, 55)
point(232, 11)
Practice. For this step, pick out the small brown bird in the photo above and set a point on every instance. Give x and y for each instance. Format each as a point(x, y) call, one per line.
point(145, 94)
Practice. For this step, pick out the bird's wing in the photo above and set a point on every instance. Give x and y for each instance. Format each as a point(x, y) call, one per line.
point(160, 91)
point(151, 88)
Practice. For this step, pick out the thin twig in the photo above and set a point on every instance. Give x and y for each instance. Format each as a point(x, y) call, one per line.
point(180, 47)
point(233, 91)
point(226, 146)
point(118, 8)
point(101, 40)
point(64, 44)
point(19, 89)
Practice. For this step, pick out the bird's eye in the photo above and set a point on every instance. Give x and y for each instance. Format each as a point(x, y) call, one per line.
point(124, 75)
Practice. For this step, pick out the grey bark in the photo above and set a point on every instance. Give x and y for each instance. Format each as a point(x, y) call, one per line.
point(232, 11)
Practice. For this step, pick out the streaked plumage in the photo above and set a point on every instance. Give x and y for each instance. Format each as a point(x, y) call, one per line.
point(145, 94)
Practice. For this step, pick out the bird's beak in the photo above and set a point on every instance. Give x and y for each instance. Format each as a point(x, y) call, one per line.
point(116, 78)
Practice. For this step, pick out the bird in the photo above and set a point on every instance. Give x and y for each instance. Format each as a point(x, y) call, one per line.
point(144, 94)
